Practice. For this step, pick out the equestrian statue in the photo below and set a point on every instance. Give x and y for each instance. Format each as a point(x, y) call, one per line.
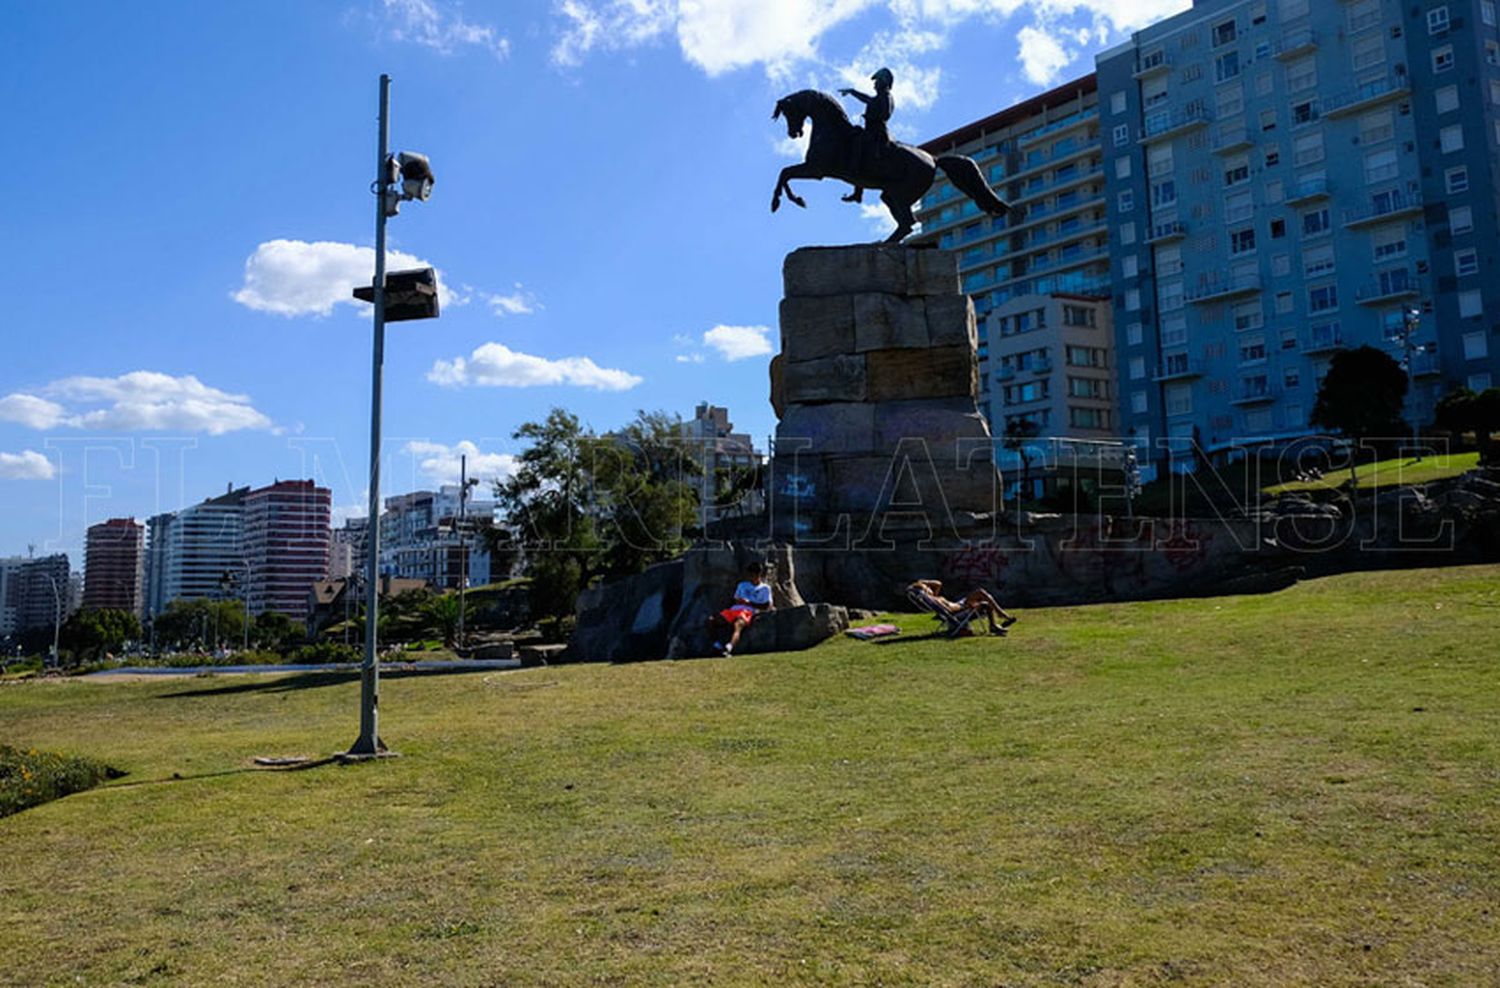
point(867, 158)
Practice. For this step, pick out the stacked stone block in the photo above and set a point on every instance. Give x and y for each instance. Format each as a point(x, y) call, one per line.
point(876, 389)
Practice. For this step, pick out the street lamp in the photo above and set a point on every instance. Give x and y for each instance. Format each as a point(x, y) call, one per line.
point(1404, 338)
point(399, 178)
point(56, 616)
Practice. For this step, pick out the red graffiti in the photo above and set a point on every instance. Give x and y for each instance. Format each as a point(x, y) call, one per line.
point(978, 566)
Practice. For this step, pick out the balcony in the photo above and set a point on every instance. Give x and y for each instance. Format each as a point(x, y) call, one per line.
point(1081, 119)
point(1180, 370)
point(1295, 43)
point(1164, 126)
point(1371, 94)
point(1381, 208)
point(1254, 394)
point(1214, 291)
point(1235, 139)
point(1426, 365)
point(1040, 367)
point(1388, 287)
point(1005, 373)
point(1163, 233)
point(1155, 64)
point(1324, 343)
point(1309, 191)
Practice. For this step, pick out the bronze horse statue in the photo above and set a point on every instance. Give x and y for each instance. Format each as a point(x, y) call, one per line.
point(902, 173)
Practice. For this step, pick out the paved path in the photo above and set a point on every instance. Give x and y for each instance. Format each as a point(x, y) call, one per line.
point(430, 665)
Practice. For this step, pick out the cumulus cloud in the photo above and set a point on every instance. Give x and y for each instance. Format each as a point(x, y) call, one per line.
point(1042, 56)
point(298, 278)
point(138, 401)
point(519, 302)
point(739, 342)
point(440, 27)
point(878, 217)
point(498, 366)
point(783, 36)
point(31, 411)
point(26, 465)
point(442, 464)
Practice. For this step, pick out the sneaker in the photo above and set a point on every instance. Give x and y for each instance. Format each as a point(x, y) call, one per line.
point(1009, 621)
point(728, 650)
point(719, 647)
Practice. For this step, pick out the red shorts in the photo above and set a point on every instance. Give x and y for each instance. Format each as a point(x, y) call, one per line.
point(733, 614)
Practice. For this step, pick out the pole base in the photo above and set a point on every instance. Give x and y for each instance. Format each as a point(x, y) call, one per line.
point(353, 757)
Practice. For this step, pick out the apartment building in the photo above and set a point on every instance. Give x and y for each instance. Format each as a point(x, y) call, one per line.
point(114, 565)
point(286, 537)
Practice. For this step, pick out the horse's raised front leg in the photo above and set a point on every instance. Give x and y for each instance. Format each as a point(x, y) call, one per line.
point(783, 184)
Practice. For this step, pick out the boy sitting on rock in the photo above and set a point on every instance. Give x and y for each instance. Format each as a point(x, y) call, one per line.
point(752, 596)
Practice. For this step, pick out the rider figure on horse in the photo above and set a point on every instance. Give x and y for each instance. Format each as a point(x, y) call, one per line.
point(878, 109)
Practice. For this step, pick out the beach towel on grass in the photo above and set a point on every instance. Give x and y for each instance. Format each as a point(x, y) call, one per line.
point(873, 631)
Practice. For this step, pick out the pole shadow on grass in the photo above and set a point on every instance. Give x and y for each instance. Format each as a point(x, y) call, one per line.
point(310, 681)
point(300, 766)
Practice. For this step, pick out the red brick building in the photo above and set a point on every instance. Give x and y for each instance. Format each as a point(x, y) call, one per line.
point(114, 565)
point(287, 532)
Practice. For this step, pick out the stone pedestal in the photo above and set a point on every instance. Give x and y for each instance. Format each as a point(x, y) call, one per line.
point(876, 389)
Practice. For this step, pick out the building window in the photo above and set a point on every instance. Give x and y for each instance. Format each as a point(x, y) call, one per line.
point(1446, 99)
point(1117, 102)
point(1452, 138)
point(1130, 266)
point(1134, 333)
point(1237, 171)
point(1460, 219)
point(1088, 387)
point(1318, 261)
point(1174, 331)
point(1079, 315)
point(1363, 14)
point(1126, 202)
point(1122, 167)
point(1288, 339)
point(1479, 382)
point(1466, 262)
point(1324, 298)
point(1316, 222)
point(1127, 233)
point(1133, 300)
point(1470, 304)
point(1302, 75)
point(1242, 241)
point(1163, 194)
point(1248, 315)
point(1368, 52)
point(1437, 20)
point(1304, 113)
point(1284, 303)
point(1088, 418)
point(1227, 66)
point(1137, 368)
point(1138, 402)
point(1382, 166)
point(1238, 207)
point(1492, 52)
point(1390, 242)
point(1456, 180)
point(1253, 349)
point(1487, 12)
point(1281, 265)
point(1476, 346)
point(1224, 33)
point(1308, 150)
point(1179, 399)
point(1377, 127)
point(1122, 135)
point(1442, 58)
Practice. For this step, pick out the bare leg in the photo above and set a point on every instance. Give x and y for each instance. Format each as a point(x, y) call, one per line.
point(740, 624)
point(984, 601)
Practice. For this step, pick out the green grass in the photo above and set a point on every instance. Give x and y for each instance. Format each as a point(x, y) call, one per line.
point(1389, 473)
point(1289, 789)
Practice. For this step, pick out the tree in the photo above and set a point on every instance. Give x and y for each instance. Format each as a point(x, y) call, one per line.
point(199, 622)
point(1463, 411)
point(97, 631)
point(1018, 435)
point(584, 506)
point(276, 631)
point(442, 614)
point(1361, 398)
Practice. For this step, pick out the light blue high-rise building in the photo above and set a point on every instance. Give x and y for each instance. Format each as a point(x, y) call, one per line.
point(1286, 178)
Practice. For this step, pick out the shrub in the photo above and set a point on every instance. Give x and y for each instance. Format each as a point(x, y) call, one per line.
point(325, 652)
point(30, 778)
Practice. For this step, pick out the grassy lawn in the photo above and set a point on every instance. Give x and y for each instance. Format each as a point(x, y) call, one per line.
point(1301, 788)
point(1389, 473)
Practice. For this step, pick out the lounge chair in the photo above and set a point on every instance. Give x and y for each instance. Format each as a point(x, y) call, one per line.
point(954, 622)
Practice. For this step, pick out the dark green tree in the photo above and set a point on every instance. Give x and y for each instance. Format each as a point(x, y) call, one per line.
point(1362, 398)
point(90, 633)
point(276, 631)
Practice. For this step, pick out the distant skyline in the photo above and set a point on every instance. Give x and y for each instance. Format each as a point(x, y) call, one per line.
point(192, 210)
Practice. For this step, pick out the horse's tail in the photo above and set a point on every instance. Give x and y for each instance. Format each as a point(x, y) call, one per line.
point(968, 179)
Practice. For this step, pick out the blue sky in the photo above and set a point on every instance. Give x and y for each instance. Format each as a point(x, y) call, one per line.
point(189, 207)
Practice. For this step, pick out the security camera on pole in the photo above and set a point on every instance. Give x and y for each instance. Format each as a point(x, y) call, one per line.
point(400, 296)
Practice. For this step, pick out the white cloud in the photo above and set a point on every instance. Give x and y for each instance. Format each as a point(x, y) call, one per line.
point(878, 218)
point(1042, 56)
point(783, 37)
point(442, 464)
point(440, 27)
point(298, 278)
point(138, 401)
point(26, 465)
point(518, 303)
point(497, 365)
point(31, 411)
point(739, 342)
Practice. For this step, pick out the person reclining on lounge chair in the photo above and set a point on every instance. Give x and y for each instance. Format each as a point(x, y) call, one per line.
point(956, 615)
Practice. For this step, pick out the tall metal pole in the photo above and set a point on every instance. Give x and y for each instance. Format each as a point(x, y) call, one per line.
point(1411, 324)
point(56, 617)
point(463, 545)
point(369, 686)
